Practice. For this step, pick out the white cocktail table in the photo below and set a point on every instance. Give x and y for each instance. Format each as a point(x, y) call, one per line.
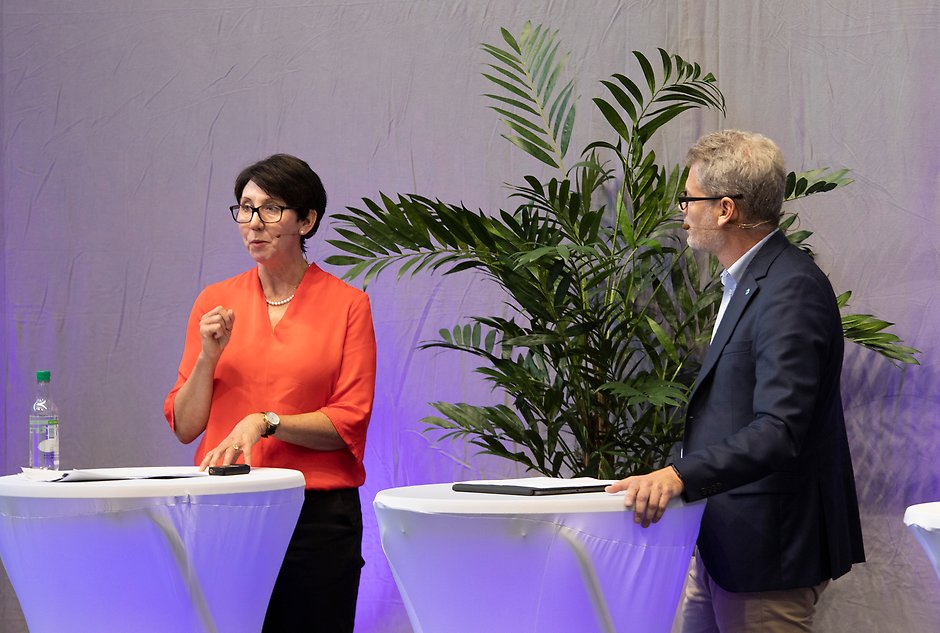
point(148, 555)
point(474, 562)
point(924, 521)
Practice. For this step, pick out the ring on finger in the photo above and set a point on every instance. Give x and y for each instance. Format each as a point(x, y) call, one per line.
point(235, 447)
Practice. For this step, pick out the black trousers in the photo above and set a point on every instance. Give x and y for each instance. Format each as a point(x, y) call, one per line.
point(318, 584)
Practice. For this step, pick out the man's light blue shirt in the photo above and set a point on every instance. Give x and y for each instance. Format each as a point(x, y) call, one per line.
point(731, 275)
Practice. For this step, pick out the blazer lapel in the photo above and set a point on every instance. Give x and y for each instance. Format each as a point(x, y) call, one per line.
point(744, 292)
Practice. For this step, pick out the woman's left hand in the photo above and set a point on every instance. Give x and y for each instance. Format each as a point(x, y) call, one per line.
point(245, 435)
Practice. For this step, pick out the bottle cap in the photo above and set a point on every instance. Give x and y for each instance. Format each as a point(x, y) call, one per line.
point(43, 376)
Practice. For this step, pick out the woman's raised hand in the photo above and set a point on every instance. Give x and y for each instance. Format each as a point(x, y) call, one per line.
point(215, 329)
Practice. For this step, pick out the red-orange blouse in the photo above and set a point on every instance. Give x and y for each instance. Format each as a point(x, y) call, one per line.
point(320, 357)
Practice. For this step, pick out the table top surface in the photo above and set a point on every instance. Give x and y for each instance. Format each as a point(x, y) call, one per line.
point(258, 480)
point(441, 498)
point(925, 515)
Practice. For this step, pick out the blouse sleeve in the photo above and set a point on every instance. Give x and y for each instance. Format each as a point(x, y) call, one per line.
point(191, 351)
point(349, 407)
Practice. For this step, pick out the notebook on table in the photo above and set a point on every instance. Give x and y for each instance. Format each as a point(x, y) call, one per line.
point(534, 486)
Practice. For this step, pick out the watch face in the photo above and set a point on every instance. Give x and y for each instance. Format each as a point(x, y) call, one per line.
point(273, 421)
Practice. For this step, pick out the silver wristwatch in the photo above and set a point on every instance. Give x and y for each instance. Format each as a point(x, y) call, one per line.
point(273, 421)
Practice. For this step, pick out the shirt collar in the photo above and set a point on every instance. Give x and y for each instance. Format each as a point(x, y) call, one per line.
point(736, 270)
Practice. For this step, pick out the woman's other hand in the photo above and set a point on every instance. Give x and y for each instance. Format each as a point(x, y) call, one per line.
point(245, 435)
point(215, 330)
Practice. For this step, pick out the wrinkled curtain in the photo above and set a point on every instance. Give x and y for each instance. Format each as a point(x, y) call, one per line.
point(124, 124)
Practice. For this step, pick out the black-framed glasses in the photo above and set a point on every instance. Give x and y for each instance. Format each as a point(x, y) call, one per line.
point(242, 213)
point(684, 200)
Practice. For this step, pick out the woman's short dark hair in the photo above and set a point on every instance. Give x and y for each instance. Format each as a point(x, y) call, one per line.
point(290, 179)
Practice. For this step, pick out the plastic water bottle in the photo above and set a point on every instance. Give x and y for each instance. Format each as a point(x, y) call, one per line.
point(43, 427)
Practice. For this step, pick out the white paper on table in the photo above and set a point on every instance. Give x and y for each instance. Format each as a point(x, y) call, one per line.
point(110, 474)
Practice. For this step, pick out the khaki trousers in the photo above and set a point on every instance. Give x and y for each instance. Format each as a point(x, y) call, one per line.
point(707, 608)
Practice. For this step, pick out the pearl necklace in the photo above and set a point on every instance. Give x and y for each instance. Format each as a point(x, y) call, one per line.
point(278, 303)
point(288, 299)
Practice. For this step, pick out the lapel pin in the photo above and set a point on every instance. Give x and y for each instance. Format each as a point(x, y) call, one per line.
point(747, 291)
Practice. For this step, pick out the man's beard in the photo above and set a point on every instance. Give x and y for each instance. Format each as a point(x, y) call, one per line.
point(705, 238)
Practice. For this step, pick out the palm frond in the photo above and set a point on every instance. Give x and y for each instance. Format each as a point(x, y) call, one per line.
point(528, 71)
point(869, 332)
point(806, 183)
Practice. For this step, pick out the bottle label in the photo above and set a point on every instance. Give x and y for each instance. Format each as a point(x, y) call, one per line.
point(41, 421)
point(49, 446)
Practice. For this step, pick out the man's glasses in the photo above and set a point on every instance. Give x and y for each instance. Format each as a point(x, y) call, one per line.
point(242, 213)
point(684, 200)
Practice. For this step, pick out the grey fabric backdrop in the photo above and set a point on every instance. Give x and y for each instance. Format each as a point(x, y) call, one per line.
point(124, 123)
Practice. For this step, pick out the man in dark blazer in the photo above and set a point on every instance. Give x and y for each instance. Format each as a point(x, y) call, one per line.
point(765, 438)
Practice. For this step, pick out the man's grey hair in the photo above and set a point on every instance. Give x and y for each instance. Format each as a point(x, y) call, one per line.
point(750, 165)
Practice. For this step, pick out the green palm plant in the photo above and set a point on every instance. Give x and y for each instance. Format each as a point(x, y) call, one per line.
point(610, 312)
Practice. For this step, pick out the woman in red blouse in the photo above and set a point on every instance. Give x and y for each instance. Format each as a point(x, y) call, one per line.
point(279, 369)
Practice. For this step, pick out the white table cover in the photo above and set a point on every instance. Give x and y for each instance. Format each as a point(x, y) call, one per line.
point(148, 555)
point(924, 521)
point(474, 562)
